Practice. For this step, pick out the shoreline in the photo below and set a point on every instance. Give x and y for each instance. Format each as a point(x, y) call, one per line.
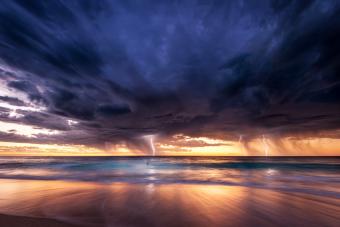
point(23, 221)
point(40, 203)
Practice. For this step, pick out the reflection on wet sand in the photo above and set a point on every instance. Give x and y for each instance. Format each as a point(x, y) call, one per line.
point(121, 204)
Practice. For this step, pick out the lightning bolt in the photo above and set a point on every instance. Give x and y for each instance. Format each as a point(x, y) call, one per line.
point(150, 139)
point(265, 145)
point(240, 142)
point(152, 146)
point(240, 139)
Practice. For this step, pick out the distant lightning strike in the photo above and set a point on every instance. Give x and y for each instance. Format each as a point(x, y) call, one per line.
point(152, 146)
point(265, 145)
point(240, 139)
point(150, 139)
point(240, 142)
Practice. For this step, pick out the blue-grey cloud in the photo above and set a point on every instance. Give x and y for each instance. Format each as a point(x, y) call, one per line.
point(123, 69)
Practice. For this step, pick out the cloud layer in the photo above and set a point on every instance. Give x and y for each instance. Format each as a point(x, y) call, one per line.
point(110, 71)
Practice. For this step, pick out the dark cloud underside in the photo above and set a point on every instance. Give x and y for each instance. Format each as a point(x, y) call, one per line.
point(124, 69)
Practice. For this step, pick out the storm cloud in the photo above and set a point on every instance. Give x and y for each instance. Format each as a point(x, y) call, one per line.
point(123, 69)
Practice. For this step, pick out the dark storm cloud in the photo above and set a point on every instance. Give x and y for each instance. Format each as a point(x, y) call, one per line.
point(124, 69)
point(12, 101)
point(28, 88)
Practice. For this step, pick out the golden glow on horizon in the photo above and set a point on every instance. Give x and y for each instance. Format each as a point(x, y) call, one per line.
point(181, 145)
point(10, 148)
point(185, 145)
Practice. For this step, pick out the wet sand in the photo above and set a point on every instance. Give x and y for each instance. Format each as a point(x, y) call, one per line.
point(19, 221)
point(122, 204)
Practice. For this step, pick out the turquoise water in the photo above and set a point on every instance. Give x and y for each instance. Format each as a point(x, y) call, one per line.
point(313, 175)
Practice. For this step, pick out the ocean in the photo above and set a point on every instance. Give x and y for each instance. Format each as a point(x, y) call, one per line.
point(173, 191)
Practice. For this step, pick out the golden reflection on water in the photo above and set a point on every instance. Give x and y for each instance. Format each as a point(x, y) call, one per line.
point(125, 204)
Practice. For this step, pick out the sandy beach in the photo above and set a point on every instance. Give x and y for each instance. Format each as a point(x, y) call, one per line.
point(60, 203)
point(19, 221)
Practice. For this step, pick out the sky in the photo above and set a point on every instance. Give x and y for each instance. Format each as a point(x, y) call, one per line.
point(170, 77)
